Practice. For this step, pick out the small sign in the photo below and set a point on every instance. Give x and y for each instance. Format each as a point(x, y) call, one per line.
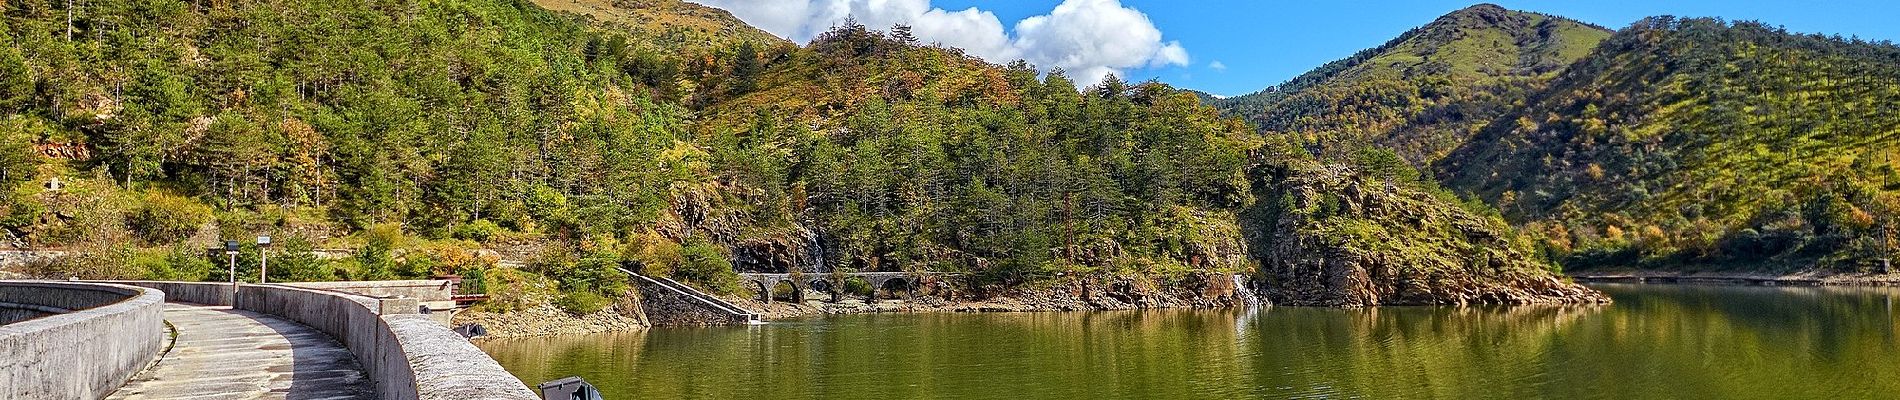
point(263, 240)
point(230, 247)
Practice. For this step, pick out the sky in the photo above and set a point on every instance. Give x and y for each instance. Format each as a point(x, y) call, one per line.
point(1238, 47)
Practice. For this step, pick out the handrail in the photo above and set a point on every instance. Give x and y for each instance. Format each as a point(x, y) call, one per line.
point(714, 299)
point(695, 294)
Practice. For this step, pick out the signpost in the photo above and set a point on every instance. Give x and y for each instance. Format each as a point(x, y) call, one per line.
point(263, 259)
point(231, 249)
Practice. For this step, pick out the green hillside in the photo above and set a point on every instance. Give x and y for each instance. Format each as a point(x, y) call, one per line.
point(414, 133)
point(1422, 93)
point(1697, 141)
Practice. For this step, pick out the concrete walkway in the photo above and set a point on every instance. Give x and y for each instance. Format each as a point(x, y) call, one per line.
point(222, 353)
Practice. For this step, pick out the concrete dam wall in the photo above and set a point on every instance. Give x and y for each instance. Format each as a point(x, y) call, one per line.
point(90, 338)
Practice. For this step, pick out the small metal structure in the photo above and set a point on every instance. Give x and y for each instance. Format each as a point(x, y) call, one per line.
point(263, 259)
point(231, 249)
point(569, 388)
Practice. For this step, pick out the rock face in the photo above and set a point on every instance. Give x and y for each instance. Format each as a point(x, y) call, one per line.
point(1332, 236)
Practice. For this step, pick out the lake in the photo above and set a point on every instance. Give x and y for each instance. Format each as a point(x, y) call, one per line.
point(1654, 342)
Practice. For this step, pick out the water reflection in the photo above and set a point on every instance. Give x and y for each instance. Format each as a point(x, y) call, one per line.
point(1654, 342)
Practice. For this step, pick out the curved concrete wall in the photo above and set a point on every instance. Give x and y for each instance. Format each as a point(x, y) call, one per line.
point(448, 367)
point(408, 355)
point(207, 293)
point(405, 353)
point(421, 290)
point(84, 354)
point(356, 321)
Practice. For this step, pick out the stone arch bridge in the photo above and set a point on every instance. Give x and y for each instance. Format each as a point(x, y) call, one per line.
point(833, 283)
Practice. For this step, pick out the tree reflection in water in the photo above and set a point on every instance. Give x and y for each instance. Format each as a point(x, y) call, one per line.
point(1654, 342)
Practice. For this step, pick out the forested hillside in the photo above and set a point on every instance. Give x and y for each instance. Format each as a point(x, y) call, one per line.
point(407, 132)
point(657, 136)
point(1699, 141)
point(1423, 93)
point(1675, 143)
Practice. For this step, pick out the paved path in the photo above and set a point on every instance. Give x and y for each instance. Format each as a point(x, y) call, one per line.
point(222, 353)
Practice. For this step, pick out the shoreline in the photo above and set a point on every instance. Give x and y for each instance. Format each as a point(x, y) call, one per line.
point(924, 305)
point(545, 320)
point(541, 317)
point(1074, 295)
point(1068, 294)
point(1738, 278)
point(1065, 298)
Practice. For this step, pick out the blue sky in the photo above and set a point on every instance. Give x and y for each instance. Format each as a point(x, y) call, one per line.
point(1262, 43)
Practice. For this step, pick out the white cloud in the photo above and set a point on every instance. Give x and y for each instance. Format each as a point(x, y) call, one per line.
point(1087, 38)
point(1217, 66)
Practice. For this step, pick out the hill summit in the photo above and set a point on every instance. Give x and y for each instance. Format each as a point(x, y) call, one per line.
point(1422, 93)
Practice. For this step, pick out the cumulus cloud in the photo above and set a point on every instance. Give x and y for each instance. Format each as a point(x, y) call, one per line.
point(1217, 66)
point(1088, 38)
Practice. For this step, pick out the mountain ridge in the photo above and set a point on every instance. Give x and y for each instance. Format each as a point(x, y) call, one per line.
point(1420, 93)
point(1701, 141)
point(1675, 143)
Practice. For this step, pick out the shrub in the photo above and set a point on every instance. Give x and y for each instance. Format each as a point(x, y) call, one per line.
point(297, 263)
point(481, 230)
point(165, 219)
point(181, 263)
point(373, 261)
point(440, 257)
point(92, 214)
point(509, 289)
point(587, 276)
point(703, 264)
point(582, 302)
point(113, 262)
point(653, 254)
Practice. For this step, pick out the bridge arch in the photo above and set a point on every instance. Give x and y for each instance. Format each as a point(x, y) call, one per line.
point(762, 286)
point(827, 285)
point(787, 290)
point(894, 286)
point(869, 285)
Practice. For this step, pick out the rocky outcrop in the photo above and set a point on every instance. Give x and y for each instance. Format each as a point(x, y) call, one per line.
point(1333, 236)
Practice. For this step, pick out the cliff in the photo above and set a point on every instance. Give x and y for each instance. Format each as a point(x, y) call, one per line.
point(1334, 236)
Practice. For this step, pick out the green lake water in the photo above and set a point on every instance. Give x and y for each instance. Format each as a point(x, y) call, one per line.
point(1655, 342)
